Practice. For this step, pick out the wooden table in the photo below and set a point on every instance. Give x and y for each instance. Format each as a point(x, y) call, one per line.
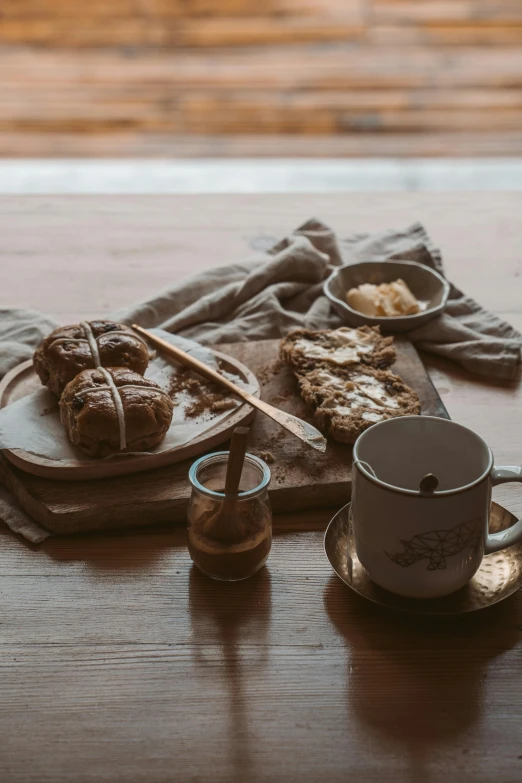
point(120, 662)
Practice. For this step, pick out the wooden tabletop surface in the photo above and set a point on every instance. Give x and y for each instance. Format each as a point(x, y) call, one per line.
point(120, 662)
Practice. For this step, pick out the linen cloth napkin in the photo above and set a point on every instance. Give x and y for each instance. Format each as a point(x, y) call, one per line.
point(281, 289)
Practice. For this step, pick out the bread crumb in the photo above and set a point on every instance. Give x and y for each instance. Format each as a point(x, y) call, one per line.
point(267, 456)
point(207, 397)
point(266, 373)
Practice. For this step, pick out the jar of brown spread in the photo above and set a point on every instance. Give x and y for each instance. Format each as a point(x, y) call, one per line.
point(235, 545)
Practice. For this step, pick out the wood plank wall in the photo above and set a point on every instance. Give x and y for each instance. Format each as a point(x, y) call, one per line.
point(291, 77)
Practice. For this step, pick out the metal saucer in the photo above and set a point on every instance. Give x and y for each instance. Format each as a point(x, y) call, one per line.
point(499, 576)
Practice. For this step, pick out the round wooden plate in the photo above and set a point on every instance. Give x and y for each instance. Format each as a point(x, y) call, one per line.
point(22, 380)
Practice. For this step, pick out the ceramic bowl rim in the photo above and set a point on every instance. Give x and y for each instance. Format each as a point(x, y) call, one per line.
point(380, 319)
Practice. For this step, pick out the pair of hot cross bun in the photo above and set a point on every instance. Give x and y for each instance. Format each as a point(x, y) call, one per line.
point(107, 407)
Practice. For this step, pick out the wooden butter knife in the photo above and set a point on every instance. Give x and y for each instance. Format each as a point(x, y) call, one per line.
point(301, 429)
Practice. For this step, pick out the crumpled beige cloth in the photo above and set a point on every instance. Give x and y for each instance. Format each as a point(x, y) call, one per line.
point(282, 289)
point(274, 292)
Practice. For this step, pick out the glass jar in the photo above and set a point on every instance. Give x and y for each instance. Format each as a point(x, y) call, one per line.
point(234, 545)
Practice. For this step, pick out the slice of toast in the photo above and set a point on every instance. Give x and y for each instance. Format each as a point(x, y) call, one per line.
point(348, 400)
point(305, 350)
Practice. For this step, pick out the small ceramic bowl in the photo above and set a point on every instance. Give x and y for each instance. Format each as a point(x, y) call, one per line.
point(425, 284)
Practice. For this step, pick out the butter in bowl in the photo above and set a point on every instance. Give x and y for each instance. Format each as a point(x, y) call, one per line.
point(398, 296)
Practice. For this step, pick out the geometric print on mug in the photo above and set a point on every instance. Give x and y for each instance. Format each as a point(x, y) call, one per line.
point(437, 545)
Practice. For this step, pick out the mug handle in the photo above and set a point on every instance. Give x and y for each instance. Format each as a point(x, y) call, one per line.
point(504, 538)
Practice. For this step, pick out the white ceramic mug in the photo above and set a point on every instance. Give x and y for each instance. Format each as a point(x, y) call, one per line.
point(425, 544)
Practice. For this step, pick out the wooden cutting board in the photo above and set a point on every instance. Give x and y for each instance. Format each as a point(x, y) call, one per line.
point(302, 479)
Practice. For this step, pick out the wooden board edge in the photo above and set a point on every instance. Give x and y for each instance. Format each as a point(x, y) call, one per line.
point(171, 512)
point(38, 512)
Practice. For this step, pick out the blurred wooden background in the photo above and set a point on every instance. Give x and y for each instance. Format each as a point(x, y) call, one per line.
point(243, 77)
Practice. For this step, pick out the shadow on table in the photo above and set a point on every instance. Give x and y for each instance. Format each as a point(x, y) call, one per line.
point(131, 550)
point(415, 680)
point(235, 618)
